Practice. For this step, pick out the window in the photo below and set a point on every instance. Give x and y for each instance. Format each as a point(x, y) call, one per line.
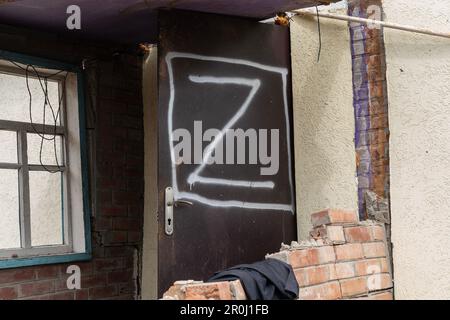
point(44, 216)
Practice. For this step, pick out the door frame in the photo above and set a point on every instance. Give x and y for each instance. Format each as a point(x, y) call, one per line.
point(149, 277)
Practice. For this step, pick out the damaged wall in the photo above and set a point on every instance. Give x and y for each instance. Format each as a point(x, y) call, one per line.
point(371, 108)
point(324, 124)
point(343, 259)
point(116, 235)
point(418, 75)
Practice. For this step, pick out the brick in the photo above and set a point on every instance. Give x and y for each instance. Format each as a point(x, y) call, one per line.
point(332, 216)
point(36, 288)
point(82, 294)
point(113, 237)
point(102, 224)
point(379, 281)
point(136, 185)
point(345, 270)
point(384, 265)
point(129, 262)
point(102, 292)
point(46, 272)
point(110, 183)
point(104, 196)
point(378, 296)
point(208, 291)
point(357, 234)
point(121, 223)
point(68, 295)
point(120, 276)
point(103, 169)
point(119, 251)
point(98, 252)
point(86, 268)
point(350, 251)
point(327, 291)
point(125, 197)
point(108, 264)
point(61, 284)
point(174, 292)
point(127, 288)
point(128, 122)
point(135, 211)
point(113, 211)
point(378, 233)
point(311, 256)
point(134, 236)
point(354, 286)
point(367, 267)
point(326, 254)
point(123, 297)
point(8, 293)
point(374, 249)
point(92, 281)
point(315, 275)
point(237, 291)
point(16, 275)
point(333, 234)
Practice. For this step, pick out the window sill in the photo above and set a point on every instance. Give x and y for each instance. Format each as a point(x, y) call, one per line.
point(43, 260)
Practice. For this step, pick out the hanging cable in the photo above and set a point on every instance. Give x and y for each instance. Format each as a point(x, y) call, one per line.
point(43, 81)
point(320, 34)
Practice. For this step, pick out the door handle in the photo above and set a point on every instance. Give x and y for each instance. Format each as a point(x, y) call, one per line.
point(179, 203)
point(170, 203)
point(168, 213)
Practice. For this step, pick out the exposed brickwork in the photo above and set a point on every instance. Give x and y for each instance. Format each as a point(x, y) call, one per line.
point(370, 102)
point(192, 290)
point(117, 225)
point(355, 267)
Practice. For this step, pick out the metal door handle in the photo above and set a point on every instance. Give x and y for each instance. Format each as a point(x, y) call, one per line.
point(169, 204)
point(168, 213)
point(183, 202)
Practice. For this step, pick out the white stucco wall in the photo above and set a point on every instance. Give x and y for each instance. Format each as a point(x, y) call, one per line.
point(418, 74)
point(325, 162)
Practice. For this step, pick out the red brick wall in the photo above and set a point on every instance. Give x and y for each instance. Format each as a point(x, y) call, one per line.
point(370, 103)
point(117, 225)
point(344, 259)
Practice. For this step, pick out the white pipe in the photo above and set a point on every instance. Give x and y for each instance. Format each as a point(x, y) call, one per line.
point(372, 22)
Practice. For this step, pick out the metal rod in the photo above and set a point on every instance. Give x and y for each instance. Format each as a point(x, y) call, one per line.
point(377, 22)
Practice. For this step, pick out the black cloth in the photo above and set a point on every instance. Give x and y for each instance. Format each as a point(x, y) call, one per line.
point(270, 279)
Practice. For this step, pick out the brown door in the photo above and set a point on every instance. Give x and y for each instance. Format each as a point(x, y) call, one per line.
point(226, 193)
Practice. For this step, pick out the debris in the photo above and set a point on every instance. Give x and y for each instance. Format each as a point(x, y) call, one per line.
point(377, 207)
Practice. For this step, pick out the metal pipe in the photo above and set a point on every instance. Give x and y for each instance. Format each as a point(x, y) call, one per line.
point(372, 22)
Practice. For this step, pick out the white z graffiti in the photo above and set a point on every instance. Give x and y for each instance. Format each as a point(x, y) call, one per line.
point(195, 176)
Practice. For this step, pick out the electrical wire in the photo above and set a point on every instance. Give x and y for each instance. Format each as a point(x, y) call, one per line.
point(56, 116)
point(320, 34)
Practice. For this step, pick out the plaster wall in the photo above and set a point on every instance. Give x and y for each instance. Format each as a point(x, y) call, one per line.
point(324, 125)
point(418, 77)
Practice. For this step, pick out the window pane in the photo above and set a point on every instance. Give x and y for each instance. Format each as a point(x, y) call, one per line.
point(46, 208)
point(48, 150)
point(9, 213)
point(15, 101)
point(8, 146)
